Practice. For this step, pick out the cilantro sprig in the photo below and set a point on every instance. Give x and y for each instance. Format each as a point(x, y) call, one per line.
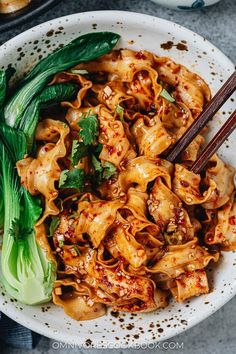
point(89, 128)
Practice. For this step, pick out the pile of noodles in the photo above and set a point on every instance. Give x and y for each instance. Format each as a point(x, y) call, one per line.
point(150, 231)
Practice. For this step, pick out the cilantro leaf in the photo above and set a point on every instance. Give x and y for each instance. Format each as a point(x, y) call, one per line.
point(98, 168)
point(78, 151)
point(96, 164)
point(167, 96)
point(98, 149)
point(120, 111)
point(109, 170)
point(54, 225)
point(89, 128)
point(72, 179)
point(103, 172)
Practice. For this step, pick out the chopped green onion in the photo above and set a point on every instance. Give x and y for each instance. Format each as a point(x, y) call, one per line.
point(165, 94)
point(79, 72)
point(61, 243)
point(75, 248)
point(120, 111)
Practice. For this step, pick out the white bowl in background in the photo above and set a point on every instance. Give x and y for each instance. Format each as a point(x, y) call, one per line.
point(137, 31)
point(186, 4)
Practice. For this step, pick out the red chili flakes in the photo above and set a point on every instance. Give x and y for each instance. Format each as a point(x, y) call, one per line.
point(111, 149)
point(184, 183)
point(232, 220)
point(140, 55)
point(180, 114)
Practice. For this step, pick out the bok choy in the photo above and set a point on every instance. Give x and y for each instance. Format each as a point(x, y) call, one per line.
point(82, 49)
point(27, 274)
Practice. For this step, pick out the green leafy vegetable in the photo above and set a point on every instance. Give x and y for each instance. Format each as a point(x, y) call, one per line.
point(79, 72)
point(76, 251)
point(89, 128)
point(1, 206)
point(72, 179)
point(109, 170)
point(98, 149)
point(85, 48)
point(61, 243)
point(167, 96)
point(3, 87)
point(54, 225)
point(120, 111)
point(50, 95)
point(78, 151)
point(27, 274)
point(15, 142)
point(97, 164)
point(5, 76)
point(103, 172)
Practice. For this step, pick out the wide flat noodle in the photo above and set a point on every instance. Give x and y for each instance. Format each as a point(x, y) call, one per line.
point(116, 147)
point(83, 86)
point(223, 175)
point(186, 185)
point(183, 258)
point(140, 171)
point(151, 136)
point(223, 230)
point(190, 284)
point(76, 302)
point(38, 175)
point(190, 88)
point(129, 288)
point(169, 214)
point(96, 219)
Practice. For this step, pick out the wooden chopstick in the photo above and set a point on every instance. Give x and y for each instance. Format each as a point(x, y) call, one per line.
point(212, 107)
point(214, 144)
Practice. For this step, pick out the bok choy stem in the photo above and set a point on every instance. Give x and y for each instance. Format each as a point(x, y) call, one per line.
point(27, 274)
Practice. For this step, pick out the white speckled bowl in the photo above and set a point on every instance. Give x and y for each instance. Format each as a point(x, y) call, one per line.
point(138, 32)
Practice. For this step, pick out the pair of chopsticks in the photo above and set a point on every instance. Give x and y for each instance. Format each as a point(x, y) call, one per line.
point(210, 110)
